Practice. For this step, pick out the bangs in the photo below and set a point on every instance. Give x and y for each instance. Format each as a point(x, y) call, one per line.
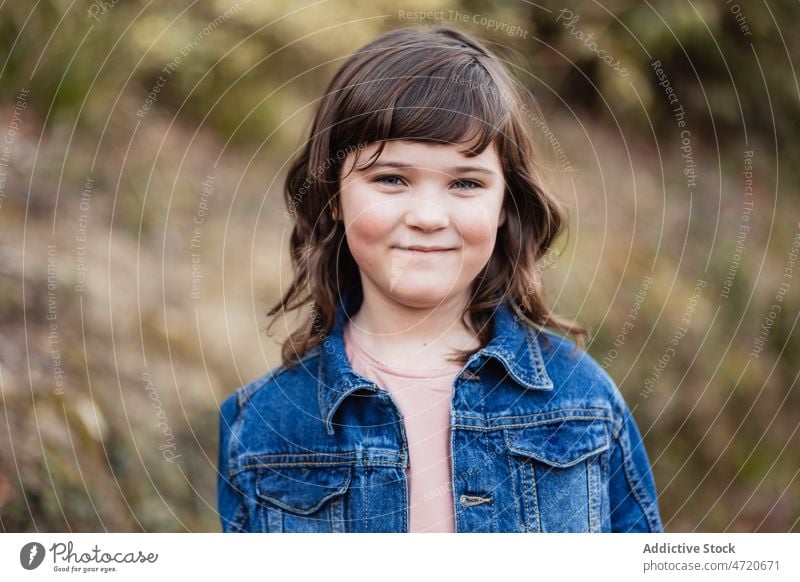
point(440, 98)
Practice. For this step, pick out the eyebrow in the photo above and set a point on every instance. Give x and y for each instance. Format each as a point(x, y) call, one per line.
point(454, 170)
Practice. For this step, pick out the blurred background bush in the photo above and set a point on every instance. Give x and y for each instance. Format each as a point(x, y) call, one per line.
point(143, 236)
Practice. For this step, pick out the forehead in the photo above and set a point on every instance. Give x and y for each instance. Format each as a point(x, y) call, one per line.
point(418, 154)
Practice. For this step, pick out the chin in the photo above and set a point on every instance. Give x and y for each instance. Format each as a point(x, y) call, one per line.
point(422, 296)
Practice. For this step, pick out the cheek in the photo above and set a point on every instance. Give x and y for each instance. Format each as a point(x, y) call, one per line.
point(479, 233)
point(368, 225)
point(365, 234)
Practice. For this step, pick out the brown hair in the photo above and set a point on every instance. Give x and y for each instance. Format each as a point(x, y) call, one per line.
point(419, 83)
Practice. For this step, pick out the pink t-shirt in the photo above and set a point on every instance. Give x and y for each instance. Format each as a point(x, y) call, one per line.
point(423, 397)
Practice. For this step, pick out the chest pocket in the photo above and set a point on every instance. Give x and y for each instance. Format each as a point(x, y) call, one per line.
point(559, 471)
point(301, 498)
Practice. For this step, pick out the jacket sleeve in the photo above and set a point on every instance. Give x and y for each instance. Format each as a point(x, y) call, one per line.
point(230, 501)
point(632, 490)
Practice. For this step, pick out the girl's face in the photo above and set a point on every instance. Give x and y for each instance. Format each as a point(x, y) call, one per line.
point(422, 221)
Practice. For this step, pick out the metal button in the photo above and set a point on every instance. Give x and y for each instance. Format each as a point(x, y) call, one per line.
point(470, 500)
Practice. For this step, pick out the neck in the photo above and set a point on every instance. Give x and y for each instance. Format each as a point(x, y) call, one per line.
point(427, 335)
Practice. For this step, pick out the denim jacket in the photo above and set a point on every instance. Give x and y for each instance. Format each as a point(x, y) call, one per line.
point(541, 441)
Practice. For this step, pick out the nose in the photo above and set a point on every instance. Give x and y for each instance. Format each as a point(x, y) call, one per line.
point(426, 213)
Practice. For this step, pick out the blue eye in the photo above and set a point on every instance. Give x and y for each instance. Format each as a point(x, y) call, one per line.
point(466, 184)
point(389, 180)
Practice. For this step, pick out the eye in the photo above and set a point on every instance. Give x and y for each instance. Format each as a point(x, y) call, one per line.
point(389, 180)
point(466, 184)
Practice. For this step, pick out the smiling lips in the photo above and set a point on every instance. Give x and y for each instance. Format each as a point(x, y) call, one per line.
point(419, 249)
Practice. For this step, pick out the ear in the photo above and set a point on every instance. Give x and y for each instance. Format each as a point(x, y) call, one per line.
point(502, 220)
point(335, 211)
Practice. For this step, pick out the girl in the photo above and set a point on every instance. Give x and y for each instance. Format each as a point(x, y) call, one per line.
point(423, 392)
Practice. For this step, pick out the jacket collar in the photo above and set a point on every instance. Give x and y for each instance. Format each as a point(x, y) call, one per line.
point(511, 344)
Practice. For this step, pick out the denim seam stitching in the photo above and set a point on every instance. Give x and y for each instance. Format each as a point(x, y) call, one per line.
point(406, 527)
point(274, 519)
point(605, 477)
point(537, 359)
point(593, 468)
point(510, 462)
point(322, 464)
point(366, 498)
point(337, 514)
point(535, 497)
point(634, 482)
point(262, 518)
point(511, 369)
point(322, 410)
point(560, 465)
point(346, 455)
point(486, 452)
point(527, 424)
point(299, 510)
point(541, 422)
point(606, 416)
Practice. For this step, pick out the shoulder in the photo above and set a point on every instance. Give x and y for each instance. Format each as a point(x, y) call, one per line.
point(270, 394)
point(577, 375)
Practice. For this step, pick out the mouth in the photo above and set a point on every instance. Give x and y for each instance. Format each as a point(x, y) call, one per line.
point(425, 250)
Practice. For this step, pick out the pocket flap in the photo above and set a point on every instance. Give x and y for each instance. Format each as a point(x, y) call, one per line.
point(302, 490)
point(560, 442)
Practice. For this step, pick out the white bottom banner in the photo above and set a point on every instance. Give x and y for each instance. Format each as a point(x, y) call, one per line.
point(386, 557)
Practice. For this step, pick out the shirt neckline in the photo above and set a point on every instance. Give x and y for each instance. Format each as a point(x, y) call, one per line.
point(404, 372)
